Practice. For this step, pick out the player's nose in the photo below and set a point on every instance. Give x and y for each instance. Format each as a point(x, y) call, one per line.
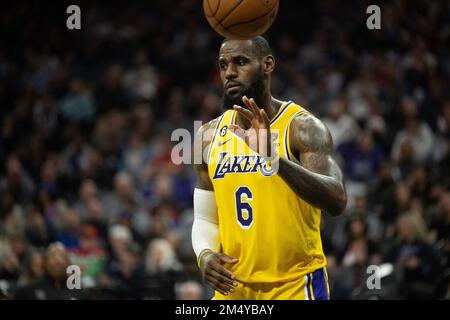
point(231, 72)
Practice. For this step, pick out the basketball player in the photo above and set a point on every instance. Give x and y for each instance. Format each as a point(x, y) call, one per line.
point(256, 232)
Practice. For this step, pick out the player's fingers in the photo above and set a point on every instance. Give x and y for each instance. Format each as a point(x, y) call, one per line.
point(237, 130)
point(256, 109)
point(244, 112)
point(227, 259)
point(216, 275)
point(215, 285)
point(219, 286)
point(250, 107)
point(264, 117)
point(222, 270)
point(234, 127)
point(246, 101)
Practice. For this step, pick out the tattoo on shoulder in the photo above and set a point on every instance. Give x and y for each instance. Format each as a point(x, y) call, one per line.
point(311, 135)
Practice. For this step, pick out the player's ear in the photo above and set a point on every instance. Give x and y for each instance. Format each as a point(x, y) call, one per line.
point(269, 64)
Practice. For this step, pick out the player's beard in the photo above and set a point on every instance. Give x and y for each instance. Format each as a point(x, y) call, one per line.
point(255, 90)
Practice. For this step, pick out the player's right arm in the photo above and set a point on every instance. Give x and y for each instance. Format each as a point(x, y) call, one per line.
point(205, 229)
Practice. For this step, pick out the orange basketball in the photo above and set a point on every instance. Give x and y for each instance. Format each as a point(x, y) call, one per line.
point(240, 19)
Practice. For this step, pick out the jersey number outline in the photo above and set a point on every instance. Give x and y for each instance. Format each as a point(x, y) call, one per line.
point(244, 210)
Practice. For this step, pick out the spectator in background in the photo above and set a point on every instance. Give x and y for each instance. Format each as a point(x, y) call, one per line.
point(53, 284)
point(162, 268)
point(17, 182)
point(419, 183)
point(95, 216)
point(46, 120)
point(362, 158)
point(125, 205)
point(78, 104)
point(440, 228)
point(417, 134)
point(69, 233)
point(375, 228)
point(119, 236)
point(38, 232)
point(34, 269)
point(357, 248)
point(142, 80)
point(415, 257)
point(189, 290)
point(343, 128)
point(90, 256)
point(73, 159)
point(10, 268)
point(111, 95)
point(443, 133)
point(361, 91)
point(128, 275)
point(88, 190)
point(136, 155)
point(401, 204)
point(382, 190)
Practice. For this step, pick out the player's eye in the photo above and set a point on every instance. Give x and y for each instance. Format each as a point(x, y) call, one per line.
point(223, 66)
point(241, 62)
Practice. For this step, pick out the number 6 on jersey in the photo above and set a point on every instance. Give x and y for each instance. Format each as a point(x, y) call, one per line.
point(243, 208)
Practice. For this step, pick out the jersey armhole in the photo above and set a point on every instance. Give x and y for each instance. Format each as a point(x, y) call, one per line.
point(287, 144)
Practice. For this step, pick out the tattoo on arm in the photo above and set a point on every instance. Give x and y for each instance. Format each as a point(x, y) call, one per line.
point(314, 176)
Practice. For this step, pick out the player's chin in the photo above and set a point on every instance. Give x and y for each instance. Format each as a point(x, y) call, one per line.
point(230, 99)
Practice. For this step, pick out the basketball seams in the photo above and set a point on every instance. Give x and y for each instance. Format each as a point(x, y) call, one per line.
point(217, 8)
point(219, 24)
point(211, 9)
point(254, 19)
point(227, 14)
point(229, 31)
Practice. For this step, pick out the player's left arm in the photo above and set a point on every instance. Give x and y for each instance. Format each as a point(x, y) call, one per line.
point(314, 176)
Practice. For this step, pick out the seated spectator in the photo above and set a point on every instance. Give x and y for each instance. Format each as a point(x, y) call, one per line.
point(38, 232)
point(17, 182)
point(78, 104)
point(126, 278)
point(415, 257)
point(162, 268)
point(382, 190)
point(342, 126)
point(189, 290)
point(362, 158)
point(34, 269)
point(53, 284)
point(417, 134)
point(69, 234)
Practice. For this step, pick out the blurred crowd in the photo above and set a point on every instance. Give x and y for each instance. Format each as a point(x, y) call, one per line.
point(86, 117)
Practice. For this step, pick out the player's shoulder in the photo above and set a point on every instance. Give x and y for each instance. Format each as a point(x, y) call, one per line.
point(308, 130)
point(303, 116)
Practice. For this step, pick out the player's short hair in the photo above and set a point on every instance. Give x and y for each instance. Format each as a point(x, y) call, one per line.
point(260, 46)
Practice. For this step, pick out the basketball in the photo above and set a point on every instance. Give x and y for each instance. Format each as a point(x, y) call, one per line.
point(240, 19)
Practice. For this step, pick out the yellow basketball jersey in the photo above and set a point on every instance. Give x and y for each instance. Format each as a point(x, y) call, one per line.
point(262, 222)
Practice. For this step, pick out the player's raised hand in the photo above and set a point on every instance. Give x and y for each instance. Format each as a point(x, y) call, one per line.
point(258, 137)
point(215, 274)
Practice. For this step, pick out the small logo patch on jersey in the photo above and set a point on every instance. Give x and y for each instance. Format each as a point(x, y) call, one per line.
point(223, 131)
point(222, 143)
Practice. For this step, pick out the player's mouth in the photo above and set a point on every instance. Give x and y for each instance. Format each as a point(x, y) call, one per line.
point(233, 86)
